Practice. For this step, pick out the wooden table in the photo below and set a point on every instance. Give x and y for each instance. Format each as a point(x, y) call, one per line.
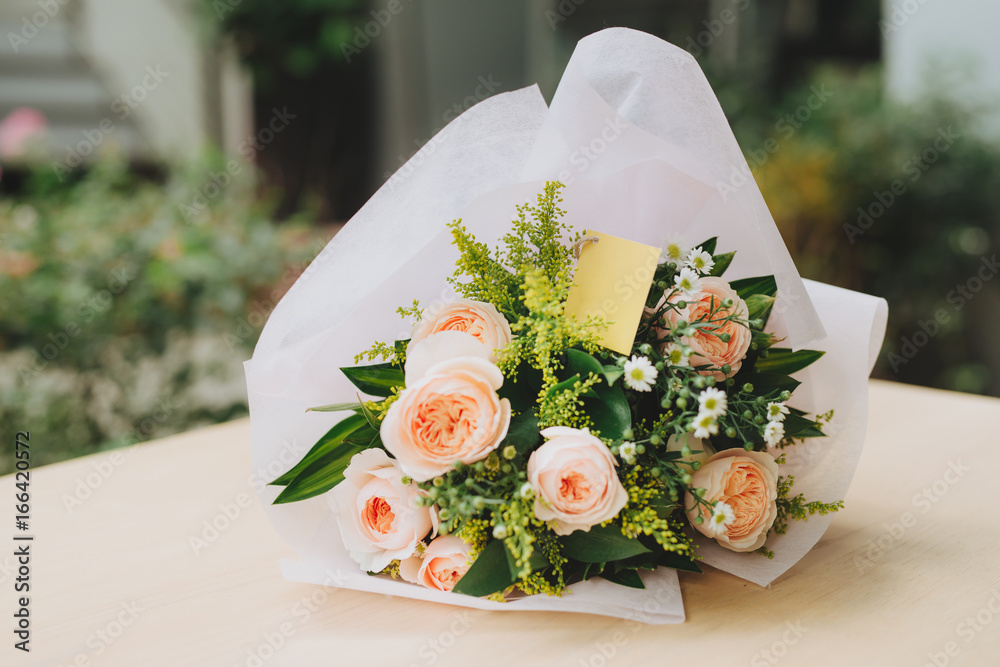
point(908, 574)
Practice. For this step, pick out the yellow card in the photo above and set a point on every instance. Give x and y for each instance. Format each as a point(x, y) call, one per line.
point(612, 280)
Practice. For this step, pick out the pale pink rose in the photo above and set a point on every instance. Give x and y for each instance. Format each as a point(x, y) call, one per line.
point(19, 129)
point(421, 355)
point(378, 515)
point(451, 413)
point(573, 475)
point(747, 482)
point(481, 320)
point(708, 347)
point(444, 562)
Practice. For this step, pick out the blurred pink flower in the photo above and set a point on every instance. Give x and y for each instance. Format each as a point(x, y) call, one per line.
point(18, 129)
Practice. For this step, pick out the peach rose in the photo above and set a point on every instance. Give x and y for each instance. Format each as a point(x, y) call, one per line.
point(748, 483)
point(449, 411)
point(707, 347)
point(482, 320)
point(573, 475)
point(378, 516)
point(444, 562)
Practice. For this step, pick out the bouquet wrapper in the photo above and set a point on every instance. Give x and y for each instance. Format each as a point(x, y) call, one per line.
point(636, 134)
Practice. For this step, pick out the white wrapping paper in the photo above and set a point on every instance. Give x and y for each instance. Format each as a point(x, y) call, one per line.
point(639, 139)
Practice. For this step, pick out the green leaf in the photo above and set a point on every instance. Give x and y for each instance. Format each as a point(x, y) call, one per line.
point(612, 373)
point(785, 361)
point(536, 561)
point(488, 574)
point(376, 380)
point(764, 383)
point(801, 427)
point(606, 405)
point(321, 475)
point(523, 433)
point(522, 390)
point(747, 287)
point(336, 435)
point(759, 307)
point(583, 364)
point(709, 245)
point(566, 385)
point(722, 263)
point(677, 561)
point(628, 578)
point(336, 407)
point(610, 413)
point(600, 544)
point(373, 421)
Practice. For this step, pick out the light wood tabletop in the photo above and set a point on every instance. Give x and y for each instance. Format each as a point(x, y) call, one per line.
point(128, 569)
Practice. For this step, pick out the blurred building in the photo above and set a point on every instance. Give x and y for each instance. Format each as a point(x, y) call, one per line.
point(141, 76)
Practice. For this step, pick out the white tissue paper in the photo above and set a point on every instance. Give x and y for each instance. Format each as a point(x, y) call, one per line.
point(636, 134)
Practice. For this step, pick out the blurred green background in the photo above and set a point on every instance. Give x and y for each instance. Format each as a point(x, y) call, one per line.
point(139, 263)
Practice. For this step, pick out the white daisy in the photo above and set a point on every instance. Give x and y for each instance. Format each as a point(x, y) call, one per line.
point(713, 401)
point(688, 283)
point(675, 355)
point(776, 412)
point(639, 373)
point(773, 433)
point(700, 261)
point(722, 516)
point(673, 251)
point(626, 451)
point(704, 425)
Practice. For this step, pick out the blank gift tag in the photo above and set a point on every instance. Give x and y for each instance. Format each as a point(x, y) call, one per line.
point(612, 280)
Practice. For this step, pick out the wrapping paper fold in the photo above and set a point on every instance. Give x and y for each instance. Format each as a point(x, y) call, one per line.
point(638, 137)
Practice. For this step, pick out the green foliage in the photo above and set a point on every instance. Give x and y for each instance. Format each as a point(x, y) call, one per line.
point(292, 37)
point(354, 432)
point(601, 544)
point(377, 380)
point(533, 255)
point(125, 317)
point(797, 508)
point(823, 186)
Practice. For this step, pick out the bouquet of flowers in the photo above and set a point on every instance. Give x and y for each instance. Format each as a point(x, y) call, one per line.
point(508, 450)
point(609, 369)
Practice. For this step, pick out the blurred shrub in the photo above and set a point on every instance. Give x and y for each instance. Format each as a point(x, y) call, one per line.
point(129, 305)
point(896, 200)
